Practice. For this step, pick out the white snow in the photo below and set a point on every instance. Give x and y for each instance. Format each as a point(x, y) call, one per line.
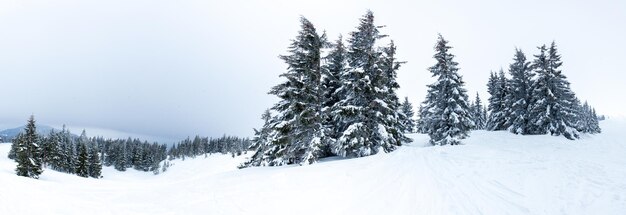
point(493, 173)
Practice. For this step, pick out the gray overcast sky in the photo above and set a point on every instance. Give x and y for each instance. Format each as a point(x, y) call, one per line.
point(170, 69)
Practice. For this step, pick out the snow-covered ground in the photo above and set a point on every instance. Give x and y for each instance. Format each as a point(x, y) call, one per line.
point(493, 173)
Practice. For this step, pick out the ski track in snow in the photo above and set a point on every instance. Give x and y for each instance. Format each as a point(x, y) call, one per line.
point(492, 173)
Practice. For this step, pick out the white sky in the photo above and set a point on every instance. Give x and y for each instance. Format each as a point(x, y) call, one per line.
point(170, 69)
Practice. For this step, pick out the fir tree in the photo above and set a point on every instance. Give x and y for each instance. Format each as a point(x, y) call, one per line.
point(361, 114)
point(447, 110)
point(497, 88)
point(262, 140)
point(14, 146)
point(553, 108)
point(421, 126)
point(519, 95)
point(28, 152)
point(82, 165)
point(53, 150)
point(120, 158)
point(478, 115)
point(69, 153)
point(408, 124)
point(388, 112)
point(95, 165)
point(298, 133)
point(21, 156)
point(335, 67)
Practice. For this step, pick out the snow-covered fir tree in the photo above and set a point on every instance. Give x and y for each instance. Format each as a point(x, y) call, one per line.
point(335, 67)
point(366, 115)
point(82, 165)
point(53, 151)
point(12, 152)
point(498, 109)
point(589, 119)
point(28, 152)
point(479, 116)
point(407, 114)
point(260, 142)
point(420, 124)
point(553, 108)
point(298, 133)
point(95, 164)
point(69, 152)
point(448, 118)
point(391, 120)
point(519, 94)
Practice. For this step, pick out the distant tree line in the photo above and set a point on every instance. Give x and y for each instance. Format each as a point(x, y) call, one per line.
point(132, 153)
point(83, 156)
point(198, 146)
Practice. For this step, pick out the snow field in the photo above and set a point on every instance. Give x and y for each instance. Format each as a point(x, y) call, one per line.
point(493, 173)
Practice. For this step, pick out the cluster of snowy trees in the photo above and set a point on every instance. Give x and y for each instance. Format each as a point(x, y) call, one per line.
point(132, 153)
point(80, 155)
point(203, 145)
point(84, 156)
point(537, 99)
point(343, 103)
point(58, 150)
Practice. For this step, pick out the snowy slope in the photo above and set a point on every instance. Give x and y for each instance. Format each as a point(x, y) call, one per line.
point(494, 173)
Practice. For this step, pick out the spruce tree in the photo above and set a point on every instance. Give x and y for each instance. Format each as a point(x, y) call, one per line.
point(366, 117)
point(335, 67)
point(28, 152)
point(21, 156)
point(53, 150)
point(69, 153)
point(553, 108)
point(82, 165)
point(497, 88)
point(421, 125)
point(120, 158)
point(408, 124)
point(447, 117)
point(298, 133)
point(95, 165)
point(519, 96)
point(14, 146)
point(390, 130)
point(478, 115)
point(594, 124)
point(261, 142)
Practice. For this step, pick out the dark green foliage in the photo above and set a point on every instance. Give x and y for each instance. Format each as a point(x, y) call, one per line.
point(554, 107)
point(497, 88)
point(367, 117)
point(95, 164)
point(331, 83)
point(446, 113)
point(14, 146)
point(199, 146)
point(82, 165)
point(588, 120)
point(479, 114)
point(406, 116)
point(28, 152)
point(519, 95)
point(297, 130)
